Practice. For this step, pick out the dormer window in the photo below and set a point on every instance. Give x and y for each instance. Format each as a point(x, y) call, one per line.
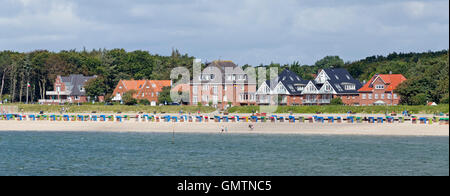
point(337, 77)
point(120, 87)
point(350, 87)
point(379, 87)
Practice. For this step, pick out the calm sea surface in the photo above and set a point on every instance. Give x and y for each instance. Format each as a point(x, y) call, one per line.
point(154, 154)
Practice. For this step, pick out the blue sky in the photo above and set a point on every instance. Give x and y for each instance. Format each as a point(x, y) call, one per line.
point(245, 31)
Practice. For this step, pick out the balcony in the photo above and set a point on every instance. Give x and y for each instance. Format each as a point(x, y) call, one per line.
point(317, 101)
point(52, 101)
point(50, 93)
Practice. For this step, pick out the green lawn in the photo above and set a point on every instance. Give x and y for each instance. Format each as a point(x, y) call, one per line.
point(344, 109)
point(110, 108)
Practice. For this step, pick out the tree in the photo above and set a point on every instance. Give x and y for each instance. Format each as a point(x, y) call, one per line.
point(336, 101)
point(164, 95)
point(419, 99)
point(96, 87)
point(144, 102)
point(128, 98)
point(330, 61)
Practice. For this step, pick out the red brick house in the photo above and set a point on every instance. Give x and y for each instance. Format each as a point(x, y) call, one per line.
point(380, 90)
point(68, 89)
point(145, 89)
point(223, 82)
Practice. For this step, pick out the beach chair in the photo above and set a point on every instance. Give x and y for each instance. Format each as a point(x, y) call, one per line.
point(330, 119)
point(291, 119)
point(414, 120)
point(372, 120)
point(254, 119)
point(380, 120)
point(390, 119)
point(423, 120)
point(320, 119)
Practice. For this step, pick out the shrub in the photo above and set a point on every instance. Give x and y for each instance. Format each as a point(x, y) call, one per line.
point(144, 102)
point(337, 101)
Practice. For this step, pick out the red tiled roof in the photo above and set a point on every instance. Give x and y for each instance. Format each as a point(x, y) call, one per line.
point(391, 80)
point(139, 84)
point(181, 87)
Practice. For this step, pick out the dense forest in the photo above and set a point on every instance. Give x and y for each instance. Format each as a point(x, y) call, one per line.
point(427, 72)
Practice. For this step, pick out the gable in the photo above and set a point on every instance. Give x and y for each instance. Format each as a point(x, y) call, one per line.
point(327, 88)
point(310, 89)
point(264, 89)
point(322, 77)
point(280, 89)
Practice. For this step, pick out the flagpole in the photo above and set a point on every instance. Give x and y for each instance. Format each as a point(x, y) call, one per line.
point(28, 85)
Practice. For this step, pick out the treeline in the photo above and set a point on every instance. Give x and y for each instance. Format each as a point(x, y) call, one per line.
point(427, 72)
point(40, 68)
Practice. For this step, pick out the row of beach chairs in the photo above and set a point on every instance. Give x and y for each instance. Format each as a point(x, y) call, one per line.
point(255, 119)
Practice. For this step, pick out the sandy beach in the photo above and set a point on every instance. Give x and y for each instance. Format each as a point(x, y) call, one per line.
point(396, 129)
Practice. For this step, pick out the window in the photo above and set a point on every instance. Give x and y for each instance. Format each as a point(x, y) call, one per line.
point(395, 96)
point(225, 87)
point(195, 99)
point(350, 87)
point(205, 98)
point(364, 96)
point(205, 87)
point(225, 99)
point(195, 89)
point(348, 97)
point(77, 98)
point(215, 99)
point(370, 96)
point(353, 97)
point(215, 90)
point(379, 87)
point(389, 96)
point(147, 87)
point(376, 96)
point(153, 94)
point(382, 96)
point(142, 94)
point(212, 76)
point(120, 87)
point(242, 87)
point(154, 85)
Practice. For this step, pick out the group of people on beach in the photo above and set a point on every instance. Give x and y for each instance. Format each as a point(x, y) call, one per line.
point(225, 129)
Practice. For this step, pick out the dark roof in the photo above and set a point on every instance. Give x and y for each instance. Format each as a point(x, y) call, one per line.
point(224, 68)
point(338, 77)
point(290, 80)
point(75, 82)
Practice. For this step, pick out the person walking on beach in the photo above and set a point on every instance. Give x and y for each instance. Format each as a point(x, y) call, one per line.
point(251, 127)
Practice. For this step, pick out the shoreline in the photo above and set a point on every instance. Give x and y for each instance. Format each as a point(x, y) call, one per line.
point(395, 129)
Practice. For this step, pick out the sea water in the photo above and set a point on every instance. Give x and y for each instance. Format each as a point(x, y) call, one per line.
point(161, 154)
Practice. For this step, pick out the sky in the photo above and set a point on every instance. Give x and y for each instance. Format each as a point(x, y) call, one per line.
point(245, 31)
